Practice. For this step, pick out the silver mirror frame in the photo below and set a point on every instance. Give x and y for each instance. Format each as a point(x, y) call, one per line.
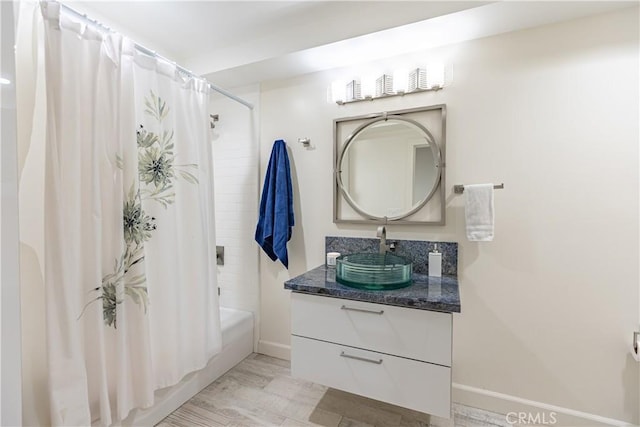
point(339, 154)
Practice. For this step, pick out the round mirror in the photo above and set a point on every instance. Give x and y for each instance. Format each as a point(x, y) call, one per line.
point(389, 168)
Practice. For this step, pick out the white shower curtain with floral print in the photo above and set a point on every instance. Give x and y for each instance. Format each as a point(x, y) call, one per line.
point(130, 274)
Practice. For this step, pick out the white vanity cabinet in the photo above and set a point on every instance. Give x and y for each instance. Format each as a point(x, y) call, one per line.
point(394, 354)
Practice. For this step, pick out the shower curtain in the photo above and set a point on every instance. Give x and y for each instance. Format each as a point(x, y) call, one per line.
point(129, 246)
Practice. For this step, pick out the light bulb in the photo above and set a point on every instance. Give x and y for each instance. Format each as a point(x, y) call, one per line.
point(435, 76)
point(338, 91)
point(368, 86)
point(400, 80)
point(4, 81)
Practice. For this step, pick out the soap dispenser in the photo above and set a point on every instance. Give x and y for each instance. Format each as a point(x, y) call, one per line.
point(435, 262)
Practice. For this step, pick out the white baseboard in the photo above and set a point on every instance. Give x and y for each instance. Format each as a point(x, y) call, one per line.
point(274, 349)
point(507, 404)
point(495, 402)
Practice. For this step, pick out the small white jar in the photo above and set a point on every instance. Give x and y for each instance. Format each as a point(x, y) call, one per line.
point(331, 259)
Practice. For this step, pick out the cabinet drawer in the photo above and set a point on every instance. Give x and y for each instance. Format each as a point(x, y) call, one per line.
point(416, 334)
point(408, 383)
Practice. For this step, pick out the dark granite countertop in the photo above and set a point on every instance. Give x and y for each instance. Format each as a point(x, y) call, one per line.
point(425, 293)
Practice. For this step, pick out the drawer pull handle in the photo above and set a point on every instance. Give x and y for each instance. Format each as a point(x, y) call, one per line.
point(362, 310)
point(364, 359)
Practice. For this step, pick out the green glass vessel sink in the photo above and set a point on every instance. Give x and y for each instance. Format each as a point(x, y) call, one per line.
point(374, 271)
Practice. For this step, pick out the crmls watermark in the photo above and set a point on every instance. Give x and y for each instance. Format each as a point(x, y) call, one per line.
point(532, 418)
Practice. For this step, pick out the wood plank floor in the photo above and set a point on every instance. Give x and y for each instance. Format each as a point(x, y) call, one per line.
point(260, 391)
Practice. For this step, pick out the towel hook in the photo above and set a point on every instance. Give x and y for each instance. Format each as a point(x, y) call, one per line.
point(305, 141)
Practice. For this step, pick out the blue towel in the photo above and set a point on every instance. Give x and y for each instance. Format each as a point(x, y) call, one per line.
point(276, 206)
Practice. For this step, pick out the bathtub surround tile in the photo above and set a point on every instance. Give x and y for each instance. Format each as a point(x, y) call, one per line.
point(236, 174)
point(415, 250)
point(425, 293)
point(291, 402)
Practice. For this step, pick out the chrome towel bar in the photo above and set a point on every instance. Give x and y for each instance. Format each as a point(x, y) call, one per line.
point(459, 189)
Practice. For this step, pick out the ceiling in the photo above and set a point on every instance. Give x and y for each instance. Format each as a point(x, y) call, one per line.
point(241, 42)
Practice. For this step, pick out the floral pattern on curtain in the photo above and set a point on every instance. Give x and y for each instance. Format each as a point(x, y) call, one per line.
point(157, 171)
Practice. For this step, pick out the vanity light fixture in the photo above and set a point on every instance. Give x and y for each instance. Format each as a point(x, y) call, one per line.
point(401, 82)
point(4, 81)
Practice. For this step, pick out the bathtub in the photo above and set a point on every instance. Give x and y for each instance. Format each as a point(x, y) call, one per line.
point(237, 343)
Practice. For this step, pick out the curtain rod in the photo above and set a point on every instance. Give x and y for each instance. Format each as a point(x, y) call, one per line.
point(153, 53)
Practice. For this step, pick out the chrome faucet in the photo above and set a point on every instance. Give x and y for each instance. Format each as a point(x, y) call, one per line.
point(382, 234)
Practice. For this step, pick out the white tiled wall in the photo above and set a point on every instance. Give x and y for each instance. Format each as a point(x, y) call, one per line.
point(235, 161)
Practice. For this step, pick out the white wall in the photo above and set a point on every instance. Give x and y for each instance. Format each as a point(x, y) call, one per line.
point(235, 162)
point(10, 365)
point(549, 306)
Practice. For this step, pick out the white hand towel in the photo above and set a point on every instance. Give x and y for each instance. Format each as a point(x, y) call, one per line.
point(478, 212)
